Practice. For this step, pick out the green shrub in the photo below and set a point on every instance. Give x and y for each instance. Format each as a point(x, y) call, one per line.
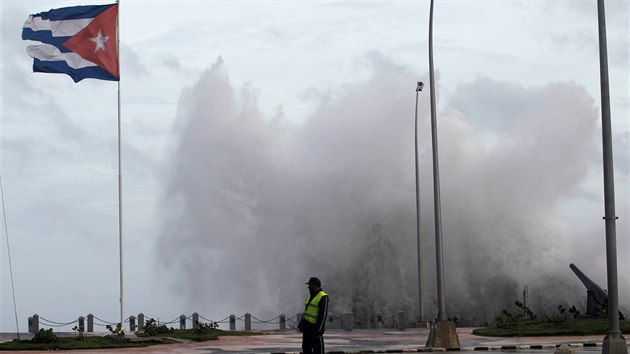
point(118, 331)
point(456, 320)
point(526, 310)
point(151, 328)
point(510, 320)
point(45, 336)
point(205, 328)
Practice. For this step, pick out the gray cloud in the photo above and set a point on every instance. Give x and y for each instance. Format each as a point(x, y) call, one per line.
point(132, 62)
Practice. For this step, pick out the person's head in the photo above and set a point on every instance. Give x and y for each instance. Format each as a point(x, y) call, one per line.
point(314, 284)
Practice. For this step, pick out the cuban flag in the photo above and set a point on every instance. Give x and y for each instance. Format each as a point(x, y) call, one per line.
point(79, 41)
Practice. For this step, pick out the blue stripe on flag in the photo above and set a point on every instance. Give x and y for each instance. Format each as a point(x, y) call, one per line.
point(73, 13)
point(61, 67)
point(45, 37)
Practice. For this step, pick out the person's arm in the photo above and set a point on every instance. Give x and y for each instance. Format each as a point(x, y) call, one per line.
point(323, 313)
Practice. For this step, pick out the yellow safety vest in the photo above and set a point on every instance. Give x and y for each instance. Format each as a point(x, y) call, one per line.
point(312, 308)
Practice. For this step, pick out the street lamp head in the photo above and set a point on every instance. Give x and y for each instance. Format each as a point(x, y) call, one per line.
point(420, 86)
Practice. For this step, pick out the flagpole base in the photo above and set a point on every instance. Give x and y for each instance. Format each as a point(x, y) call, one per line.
point(614, 343)
point(443, 334)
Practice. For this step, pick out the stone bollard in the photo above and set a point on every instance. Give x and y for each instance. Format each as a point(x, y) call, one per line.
point(402, 320)
point(379, 320)
point(90, 323)
point(81, 325)
point(347, 321)
point(140, 321)
point(282, 320)
point(33, 324)
point(232, 323)
point(330, 319)
point(564, 349)
point(195, 320)
point(132, 324)
point(182, 322)
point(372, 322)
point(248, 322)
point(338, 322)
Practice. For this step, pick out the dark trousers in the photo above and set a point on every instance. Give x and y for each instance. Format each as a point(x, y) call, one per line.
point(312, 343)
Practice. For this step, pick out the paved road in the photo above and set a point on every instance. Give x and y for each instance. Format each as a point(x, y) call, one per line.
point(366, 341)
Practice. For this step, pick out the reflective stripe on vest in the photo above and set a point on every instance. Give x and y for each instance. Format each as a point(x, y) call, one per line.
point(312, 308)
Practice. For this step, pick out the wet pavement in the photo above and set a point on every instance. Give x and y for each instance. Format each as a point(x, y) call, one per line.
point(365, 341)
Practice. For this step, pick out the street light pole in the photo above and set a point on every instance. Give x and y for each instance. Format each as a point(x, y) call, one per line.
point(419, 87)
point(614, 343)
point(443, 334)
point(441, 298)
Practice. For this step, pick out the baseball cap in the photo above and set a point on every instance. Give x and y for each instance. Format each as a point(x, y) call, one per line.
point(314, 281)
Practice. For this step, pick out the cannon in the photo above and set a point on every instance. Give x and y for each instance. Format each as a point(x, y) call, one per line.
point(596, 297)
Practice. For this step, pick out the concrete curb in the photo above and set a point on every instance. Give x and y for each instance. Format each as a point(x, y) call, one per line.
point(529, 347)
point(463, 349)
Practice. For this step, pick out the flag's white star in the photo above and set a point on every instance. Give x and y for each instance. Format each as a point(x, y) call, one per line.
point(100, 41)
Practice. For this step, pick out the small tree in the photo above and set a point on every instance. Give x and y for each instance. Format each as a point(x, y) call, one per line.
point(526, 310)
point(512, 320)
point(79, 331)
point(117, 331)
point(204, 328)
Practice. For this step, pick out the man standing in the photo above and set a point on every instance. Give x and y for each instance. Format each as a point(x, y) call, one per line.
point(313, 321)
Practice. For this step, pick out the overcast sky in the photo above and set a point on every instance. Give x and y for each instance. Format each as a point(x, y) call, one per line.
point(337, 74)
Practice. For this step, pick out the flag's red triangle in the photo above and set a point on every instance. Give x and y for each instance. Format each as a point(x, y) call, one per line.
point(97, 41)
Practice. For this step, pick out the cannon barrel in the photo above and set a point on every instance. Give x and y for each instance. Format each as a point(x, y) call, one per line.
point(599, 293)
point(596, 296)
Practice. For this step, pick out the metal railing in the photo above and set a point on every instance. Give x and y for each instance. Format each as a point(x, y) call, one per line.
point(345, 321)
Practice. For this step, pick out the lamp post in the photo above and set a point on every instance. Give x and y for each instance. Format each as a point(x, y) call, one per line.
point(419, 87)
point(443, 334)
point(437, 205)
point(614, 343)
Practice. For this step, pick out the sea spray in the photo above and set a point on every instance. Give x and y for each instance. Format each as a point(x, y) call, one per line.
point(258, 204)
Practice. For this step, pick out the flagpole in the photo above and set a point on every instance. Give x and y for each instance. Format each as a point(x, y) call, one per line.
point(6, 233)
point(120, 223)
point(120, 228)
